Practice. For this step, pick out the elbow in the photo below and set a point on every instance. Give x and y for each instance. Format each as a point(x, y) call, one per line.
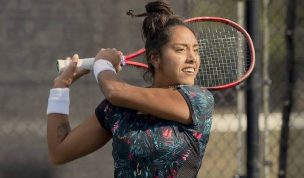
point(56, 159)
point(187, 121)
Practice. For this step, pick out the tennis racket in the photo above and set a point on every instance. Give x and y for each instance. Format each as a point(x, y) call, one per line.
point(226, 52)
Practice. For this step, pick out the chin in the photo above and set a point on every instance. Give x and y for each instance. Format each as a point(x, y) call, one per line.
point(186, 82)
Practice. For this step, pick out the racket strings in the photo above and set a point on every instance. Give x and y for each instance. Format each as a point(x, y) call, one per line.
point(223, 52)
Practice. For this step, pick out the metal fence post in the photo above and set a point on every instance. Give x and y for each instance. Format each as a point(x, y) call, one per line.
point(253, 94)
point(289, 86)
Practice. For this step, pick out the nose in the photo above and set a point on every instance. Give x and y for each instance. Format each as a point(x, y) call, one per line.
point(190, 60)
point(191, 57)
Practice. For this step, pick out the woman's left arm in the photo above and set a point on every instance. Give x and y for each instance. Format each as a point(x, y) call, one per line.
point(166, 103)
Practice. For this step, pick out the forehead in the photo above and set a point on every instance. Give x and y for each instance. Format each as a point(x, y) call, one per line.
point(181, 34)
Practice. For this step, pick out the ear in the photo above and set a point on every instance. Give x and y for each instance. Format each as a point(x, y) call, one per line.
point(155, 61)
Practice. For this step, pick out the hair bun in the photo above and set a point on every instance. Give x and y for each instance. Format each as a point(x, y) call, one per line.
point(159, 7)
point(158, 13)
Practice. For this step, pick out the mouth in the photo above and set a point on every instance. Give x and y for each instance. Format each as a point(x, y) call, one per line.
point(189, 70)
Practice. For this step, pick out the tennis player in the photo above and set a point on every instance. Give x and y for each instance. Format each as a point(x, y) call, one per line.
point(157, 131)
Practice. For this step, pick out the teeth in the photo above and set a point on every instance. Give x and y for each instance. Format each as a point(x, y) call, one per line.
point(188, 69)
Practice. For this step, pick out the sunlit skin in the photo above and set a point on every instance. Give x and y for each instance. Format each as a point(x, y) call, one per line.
point(179, 61)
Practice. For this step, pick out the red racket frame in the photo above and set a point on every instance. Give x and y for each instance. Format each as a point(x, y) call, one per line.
point(213, 19)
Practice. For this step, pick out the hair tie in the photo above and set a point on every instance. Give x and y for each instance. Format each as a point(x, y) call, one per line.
point(131, 13)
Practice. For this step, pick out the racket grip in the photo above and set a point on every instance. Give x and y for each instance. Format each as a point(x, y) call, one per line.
point(85, 63)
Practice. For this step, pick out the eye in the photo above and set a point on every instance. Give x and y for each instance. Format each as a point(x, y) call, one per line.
point(196, 50)
point(179, 49)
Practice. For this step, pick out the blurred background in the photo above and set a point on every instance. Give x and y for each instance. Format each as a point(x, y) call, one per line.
point(34, 33)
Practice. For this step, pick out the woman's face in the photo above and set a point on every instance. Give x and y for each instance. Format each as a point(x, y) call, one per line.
point(179, 61)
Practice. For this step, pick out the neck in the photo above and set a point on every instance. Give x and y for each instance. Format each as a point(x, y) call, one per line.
point(162, 84)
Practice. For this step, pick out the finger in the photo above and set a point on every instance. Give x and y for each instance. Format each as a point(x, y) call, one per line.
point(71, 68)
point(75, 58)
point(74, 61)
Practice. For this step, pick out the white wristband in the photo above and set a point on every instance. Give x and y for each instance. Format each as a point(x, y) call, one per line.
point(59, 101)
point(102, 65)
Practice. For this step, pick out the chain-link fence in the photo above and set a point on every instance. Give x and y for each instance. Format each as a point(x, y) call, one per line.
point(34, 33)
point(225, 155)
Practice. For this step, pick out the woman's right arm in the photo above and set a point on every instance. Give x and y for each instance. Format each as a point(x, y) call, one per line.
point(64, 144)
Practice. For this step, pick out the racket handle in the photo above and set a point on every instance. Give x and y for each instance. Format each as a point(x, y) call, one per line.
point(85, 63)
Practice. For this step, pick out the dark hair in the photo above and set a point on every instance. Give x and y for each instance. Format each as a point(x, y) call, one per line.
point(159, 17)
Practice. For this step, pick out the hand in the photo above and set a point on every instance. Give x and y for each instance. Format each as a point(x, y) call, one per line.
point(70, 74)
point(111, 55)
